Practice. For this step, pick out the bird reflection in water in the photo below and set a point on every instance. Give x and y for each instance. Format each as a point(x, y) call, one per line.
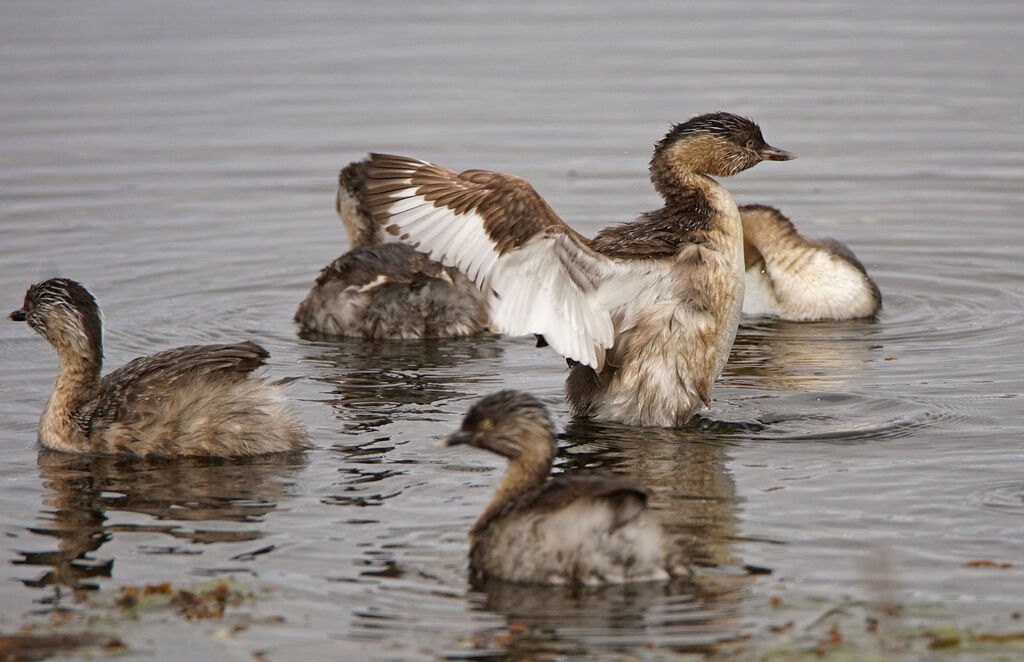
point(83, 490)
point(801, 356)
point(372, 384)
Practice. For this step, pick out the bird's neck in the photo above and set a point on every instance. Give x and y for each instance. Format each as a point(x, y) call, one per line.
point(768, 233)
point(679, 177)
point(677, 173)
point(77, 383)
point(524, 473)
point(360, 227)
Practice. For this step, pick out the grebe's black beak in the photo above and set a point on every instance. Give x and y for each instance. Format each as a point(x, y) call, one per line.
point(17, 315)
point(458, 438)
point(769, 153)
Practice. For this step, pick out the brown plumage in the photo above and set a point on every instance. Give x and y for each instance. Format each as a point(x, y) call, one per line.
point(386, 290)
point(578, 529)
point(193, 400)
point(647, 311)
point(795, 278)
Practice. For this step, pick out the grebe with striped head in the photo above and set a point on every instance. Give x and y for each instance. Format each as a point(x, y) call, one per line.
point(198, 400)
point(646, 312)
point(591, 528)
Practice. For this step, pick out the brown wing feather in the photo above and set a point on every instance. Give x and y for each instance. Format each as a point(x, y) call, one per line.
point(512, 210)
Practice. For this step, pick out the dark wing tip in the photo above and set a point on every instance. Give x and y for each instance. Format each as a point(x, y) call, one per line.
point(251, 356)
point(255, 348)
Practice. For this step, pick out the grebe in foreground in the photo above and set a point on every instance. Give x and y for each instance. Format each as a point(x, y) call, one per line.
point(194, 400)
point(383, 290)
point(799, 279)
point(566, 529)
point(647, 310)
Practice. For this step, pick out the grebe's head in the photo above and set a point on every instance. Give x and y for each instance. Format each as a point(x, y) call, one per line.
point(350, 203)
point(510, 423)
point(720, 144)
point(65, 313)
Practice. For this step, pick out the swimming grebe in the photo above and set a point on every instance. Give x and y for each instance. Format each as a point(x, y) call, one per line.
point(800, 279)
point(194, 400)
point(647, 311)
point(386, 290)
point(566, 529)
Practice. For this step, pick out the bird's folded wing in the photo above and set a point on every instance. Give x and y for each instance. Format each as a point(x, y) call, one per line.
point(623, 497)
point(157, 373)
point(539, 275)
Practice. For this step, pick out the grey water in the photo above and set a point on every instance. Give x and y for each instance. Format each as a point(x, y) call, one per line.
point(181, 160)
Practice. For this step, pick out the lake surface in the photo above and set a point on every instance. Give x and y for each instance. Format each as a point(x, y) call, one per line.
point(181, 160)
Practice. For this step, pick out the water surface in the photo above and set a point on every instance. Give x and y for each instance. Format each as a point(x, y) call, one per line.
point(180, 159)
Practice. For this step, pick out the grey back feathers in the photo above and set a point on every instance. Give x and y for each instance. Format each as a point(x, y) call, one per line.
point(155, 375)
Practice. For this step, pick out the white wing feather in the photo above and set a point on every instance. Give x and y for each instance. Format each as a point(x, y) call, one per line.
point(552, 285)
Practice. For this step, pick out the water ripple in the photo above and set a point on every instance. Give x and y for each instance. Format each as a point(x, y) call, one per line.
point(1006, 498)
